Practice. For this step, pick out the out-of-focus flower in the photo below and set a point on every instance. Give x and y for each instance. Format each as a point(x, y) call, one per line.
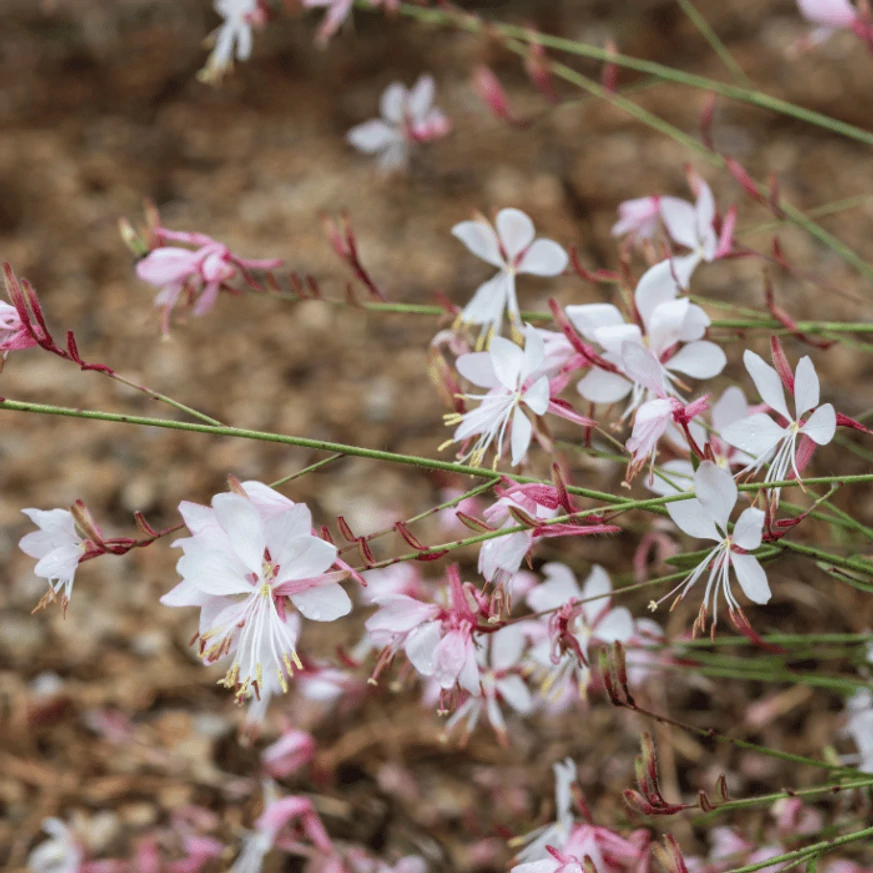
point(61, 853)
point(336, 12)
point(14, 334)
point(247, 564)
point(830, 16)
point(765, 440)
point(859, 726)
point(408, 116)
point(557, 833)
point(198, 273)
point(57, 545)
point(511, 247)
point(233, 38)
point(706, 517)
point(667, 321)
point(508, 372)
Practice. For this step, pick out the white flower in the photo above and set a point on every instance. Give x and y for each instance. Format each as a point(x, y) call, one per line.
point(765, 440)
point(507, 371)
point(706, 517)
point(667, 321)
point(58, 546)
point(249, 561)
point(860, 727)
point(691, 226)
point(408, 116)
point(558, 832)
point(233, 38)
point(61, 853)
point(513, 249)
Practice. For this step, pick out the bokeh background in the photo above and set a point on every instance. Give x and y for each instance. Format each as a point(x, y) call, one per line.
point(99, 109)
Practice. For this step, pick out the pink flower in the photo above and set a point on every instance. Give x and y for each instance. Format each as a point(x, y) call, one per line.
point(638, 218)
point(833, 15)
point(511, 247)
point(408, 116)
point(200, 272)
point(293, 750)
point(14, 334)
point(510, 375)
point(246, 565)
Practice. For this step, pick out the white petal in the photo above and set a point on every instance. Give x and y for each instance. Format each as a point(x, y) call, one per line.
point(559, 586)
point(616, 625)
point(536, 397)
point(373, 136)
point(680, 219)
point(752, 578)
point(489, 302)
point(478, 369)
point(678, 477)
point(480, 239)
point(748, 529)
point(829, 13)
point(507, 359)
point(212, 573)
point(665, 324)
point(393, 103)
point(700, 360)
point(521, 434)
point(757, 434)
point(684, 267)
point(821, 426)
point(695, 324)
point(323, 602)
point(534, 352)
point(612, 338)
point(730, 407)
point(544, 258)
point(421, 97)
point(305, 557)
point(806, 387)
point(268, 501)
point(598, 584)
point(421, 647)
point(767, 382)
point(693, 519)
point(468, 677)
point(286, 527)
point(656, 286)
point(717, 492)
point(506, 646)
point(516, 231)
point(588, 317)
point(600, 386)
point(643, 367)
point(705, 209)
point(196, 516)
point(514, 691)
point(244, 528)
point(60, 563)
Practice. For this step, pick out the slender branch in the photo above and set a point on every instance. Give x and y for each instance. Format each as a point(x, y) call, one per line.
point(715, 42)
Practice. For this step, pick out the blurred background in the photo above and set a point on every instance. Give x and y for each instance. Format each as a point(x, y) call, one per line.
point(100, 108)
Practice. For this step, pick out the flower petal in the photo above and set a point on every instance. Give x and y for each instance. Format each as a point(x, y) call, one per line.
point(534, 352)
point(690, 517)
point(521, 435)
point(656, 286)
point(767, 382)
point(166, 265)
point(700, 360)
point(752, 578)
point(601, 386)
point(421, 645)
point(244, 528)
point(323, 603)
point(748, 529)
point(392, 104)
point(613, 337)
point(757, 434)
point(212, 573)
point(588, 317)
point(536, 398)
point(489, 302)
point(717, 492)
point(507, 359)
point(477, 368)
point(421, 97)
point(479, 237)
point(821, 426)
point(516, 231)
point(680, 219)
point(373, 136)
point(730, 407)
point(544, 258)
point(806, 387)
point(616, 625)
point(305, 557)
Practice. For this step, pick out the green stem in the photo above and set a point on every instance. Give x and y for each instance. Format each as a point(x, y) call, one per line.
point(715, 42)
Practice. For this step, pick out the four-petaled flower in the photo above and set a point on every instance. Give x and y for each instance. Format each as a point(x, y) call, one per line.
point(706, 516)
point(511, 246)
point(764, 439)
point(248, 562)
point(510, 375)
point(408, 116)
